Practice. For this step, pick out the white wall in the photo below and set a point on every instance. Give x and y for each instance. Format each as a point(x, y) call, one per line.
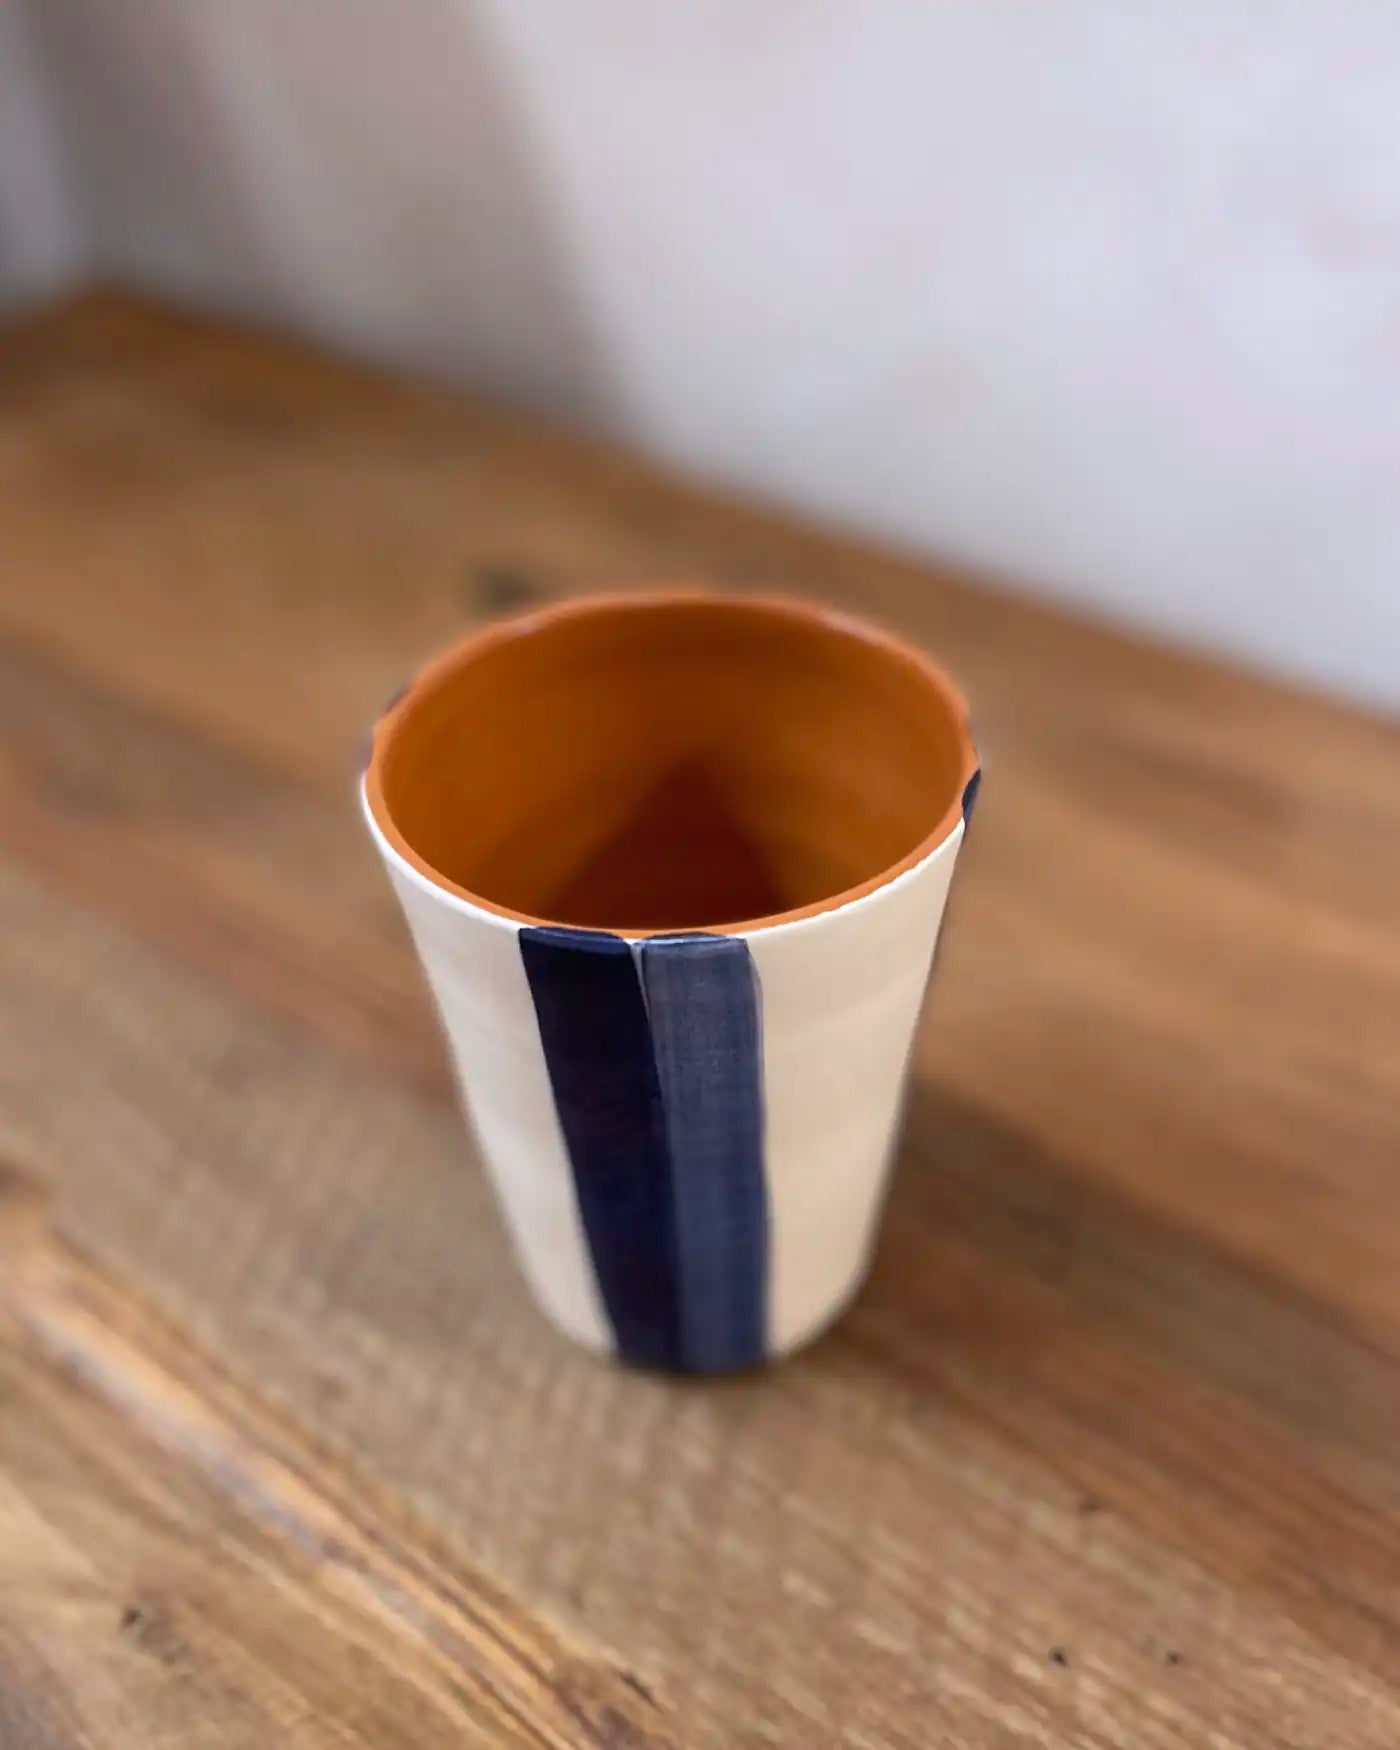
point(1104, 294)
point(41, 231)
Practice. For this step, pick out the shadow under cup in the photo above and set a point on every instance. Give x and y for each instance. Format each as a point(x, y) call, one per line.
point(670, 763)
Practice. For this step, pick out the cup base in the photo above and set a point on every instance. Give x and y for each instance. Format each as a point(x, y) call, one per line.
point(811, 1333)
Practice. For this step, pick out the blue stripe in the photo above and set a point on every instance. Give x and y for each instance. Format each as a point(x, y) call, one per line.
point(969, 795)
point(702, 996)
point(597, 1047)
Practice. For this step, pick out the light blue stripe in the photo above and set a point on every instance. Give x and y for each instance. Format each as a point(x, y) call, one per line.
point(703, 1007)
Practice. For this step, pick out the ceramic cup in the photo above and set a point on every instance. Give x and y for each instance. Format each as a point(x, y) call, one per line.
point(675, 865)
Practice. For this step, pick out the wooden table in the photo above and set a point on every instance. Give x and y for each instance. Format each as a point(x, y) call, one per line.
point(1107, 1455)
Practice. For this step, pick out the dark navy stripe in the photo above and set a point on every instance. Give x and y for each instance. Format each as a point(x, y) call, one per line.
point(597, 1047)
point(702, 997)
point(969, 795)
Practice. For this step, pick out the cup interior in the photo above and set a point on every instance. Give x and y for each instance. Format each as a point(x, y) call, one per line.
point(670, 762)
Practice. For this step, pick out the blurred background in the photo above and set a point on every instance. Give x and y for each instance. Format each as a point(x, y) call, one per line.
point(1104, 298)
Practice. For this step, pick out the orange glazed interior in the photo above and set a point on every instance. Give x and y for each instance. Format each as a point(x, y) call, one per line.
point(671, 761)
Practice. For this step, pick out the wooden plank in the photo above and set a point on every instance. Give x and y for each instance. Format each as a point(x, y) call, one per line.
point(194, 484)
point(1180, 894)
point(883, 1541)
point(143, 452)
point(229, 864)
point(179, 1567)
point(1123, 1389)
point(1220, 1121)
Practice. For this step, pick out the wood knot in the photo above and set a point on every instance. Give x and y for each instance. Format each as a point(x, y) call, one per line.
point(616, 1709)
point(24, 1221)
point(501, 589)
point(154, 1630)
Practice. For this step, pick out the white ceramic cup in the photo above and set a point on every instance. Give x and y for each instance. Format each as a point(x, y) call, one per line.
point(675, 866)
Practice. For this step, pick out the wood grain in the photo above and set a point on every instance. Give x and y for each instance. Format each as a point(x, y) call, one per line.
point(178, 1552)
point(1106, 1455)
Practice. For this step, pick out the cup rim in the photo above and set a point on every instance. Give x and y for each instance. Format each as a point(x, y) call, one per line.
point(439, 669)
